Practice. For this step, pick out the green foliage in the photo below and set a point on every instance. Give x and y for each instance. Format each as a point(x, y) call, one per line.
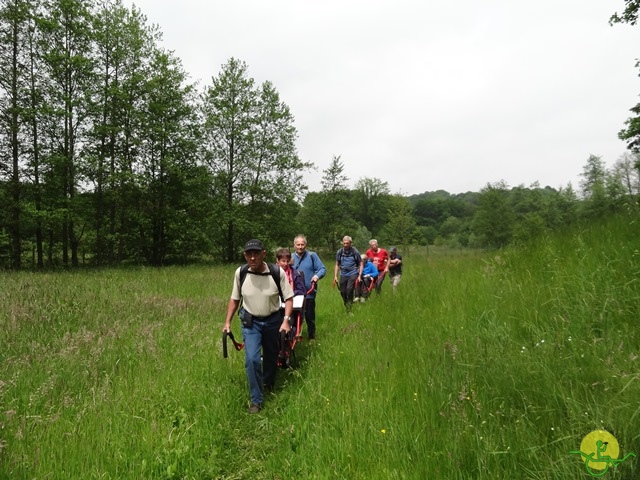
point(370, 202)
point(249, 147)
point(632, 131)
point(629, 15)
point(427, 234)
point(494, 219)
point(327, 216)
point(435, 207)
point(361, 237)
point(104, 145)
point(631, 134)
point(401, 227)
point(333, 178)
point(627, 171)
point(108, 155)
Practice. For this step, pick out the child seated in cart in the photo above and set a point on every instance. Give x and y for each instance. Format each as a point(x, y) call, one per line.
point(368, 282)
point(296, 280)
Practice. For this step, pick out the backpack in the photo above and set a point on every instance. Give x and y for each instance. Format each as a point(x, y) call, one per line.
point(354, 253)
point(299, 285)
point(274, 271)
point(312, 256)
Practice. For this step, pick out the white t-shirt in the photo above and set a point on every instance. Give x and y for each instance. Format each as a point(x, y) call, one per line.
point(260, 294)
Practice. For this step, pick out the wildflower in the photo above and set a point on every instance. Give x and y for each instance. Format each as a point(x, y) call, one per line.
point(384, 430)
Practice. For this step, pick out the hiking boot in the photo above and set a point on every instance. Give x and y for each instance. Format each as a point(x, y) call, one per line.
point(254, 408)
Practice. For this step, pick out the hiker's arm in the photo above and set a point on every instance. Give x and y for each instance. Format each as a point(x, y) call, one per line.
point(319, 272)
point(231, 310)
point(288, 309)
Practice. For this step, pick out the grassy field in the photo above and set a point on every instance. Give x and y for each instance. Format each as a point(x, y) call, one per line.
point(482, 366)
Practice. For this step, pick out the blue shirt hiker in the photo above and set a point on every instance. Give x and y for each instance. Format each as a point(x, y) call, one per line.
point(313, 269)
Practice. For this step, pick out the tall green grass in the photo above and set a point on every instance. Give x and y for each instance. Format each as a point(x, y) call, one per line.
point(482, 365)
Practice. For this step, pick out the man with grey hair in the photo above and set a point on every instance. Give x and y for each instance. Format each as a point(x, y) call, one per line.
point(380, 259)
point(349, 264)
point(313, 269)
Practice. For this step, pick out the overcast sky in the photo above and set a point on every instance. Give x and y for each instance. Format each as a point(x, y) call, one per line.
point(428, 95)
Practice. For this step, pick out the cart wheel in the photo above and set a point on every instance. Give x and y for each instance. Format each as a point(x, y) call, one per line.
point(284, 350)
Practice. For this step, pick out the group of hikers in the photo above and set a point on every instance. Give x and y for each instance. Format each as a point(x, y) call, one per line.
point(359, 274)
point(263, 294)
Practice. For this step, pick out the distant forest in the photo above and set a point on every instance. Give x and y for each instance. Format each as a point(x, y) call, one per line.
point(110, 157)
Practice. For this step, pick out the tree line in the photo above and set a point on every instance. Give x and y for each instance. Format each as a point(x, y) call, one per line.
point(109, 156)
point(497, 216)
point(108, 153)
point(500, 215)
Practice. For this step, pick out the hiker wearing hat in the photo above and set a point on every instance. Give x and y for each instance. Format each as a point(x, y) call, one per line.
point(262, 320)
point(395, 267)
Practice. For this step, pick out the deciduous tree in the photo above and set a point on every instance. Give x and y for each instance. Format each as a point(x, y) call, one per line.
point(494, 219)
point(371, 203)
point(14, 16)
point(66, 47)
point(327, 216)
point(249, 146)
point(401, 228)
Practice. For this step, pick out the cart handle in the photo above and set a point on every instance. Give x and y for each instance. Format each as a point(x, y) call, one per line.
point(237, 346)
point(312, 288)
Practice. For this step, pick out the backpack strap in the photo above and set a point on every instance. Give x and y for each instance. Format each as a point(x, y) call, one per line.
point(354, 253)
point(312, 255)
point(296, 267)
point(274, 271)
point(244, 269)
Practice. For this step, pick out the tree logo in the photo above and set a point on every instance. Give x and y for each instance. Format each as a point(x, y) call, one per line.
point(600, 451)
